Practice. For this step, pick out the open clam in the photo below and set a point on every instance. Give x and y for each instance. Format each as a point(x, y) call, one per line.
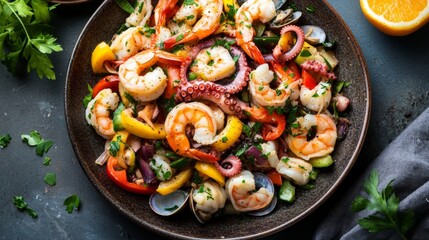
point(167, 205)
point(313, 34)
point(207, 200)
point(262, 180)
point(285, 17)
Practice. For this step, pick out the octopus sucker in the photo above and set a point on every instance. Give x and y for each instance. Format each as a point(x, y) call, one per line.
point(318, 68)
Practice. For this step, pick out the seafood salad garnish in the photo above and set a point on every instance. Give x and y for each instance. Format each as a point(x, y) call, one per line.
point(216, 106)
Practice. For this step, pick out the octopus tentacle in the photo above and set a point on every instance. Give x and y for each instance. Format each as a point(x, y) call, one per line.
point(284, 57)
point(228, 103)
point(241, 77)
point(319, 68)
point(229, 166)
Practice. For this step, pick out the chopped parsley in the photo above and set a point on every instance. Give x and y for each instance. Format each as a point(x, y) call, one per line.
point(88, 97)
point(47, 161)
point(50, 179)
point(34, 139)
point(310, 9)
point(305, 53)
point(5, 140)
point(224, 139)
point(20, 203)
point(71, 203)
point(115, 146)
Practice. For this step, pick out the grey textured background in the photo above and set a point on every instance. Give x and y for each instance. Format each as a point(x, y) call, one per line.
point(399, 72)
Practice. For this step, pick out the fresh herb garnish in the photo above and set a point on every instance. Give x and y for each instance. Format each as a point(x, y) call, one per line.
point(47, 161)
point(385, 204)
point(114, 146)
point(170, 209)
point(50, 179)
point(310, 9)
point(189, 2)
point(72, 202)
point(5, 140)
point(34, 139)
point(125, 5)
point(180, 37)
point(23, 36)
point(305, 53)
point(224, 139)
point(20, 203)
point(88, 97)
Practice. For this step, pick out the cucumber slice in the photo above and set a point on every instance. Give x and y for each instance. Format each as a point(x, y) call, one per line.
point(287, 192)
point(321, 162)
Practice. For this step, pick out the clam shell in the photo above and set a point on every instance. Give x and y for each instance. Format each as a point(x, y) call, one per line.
point(167, 205)
point(314, 34)
point(261, 180)
point(284, 18)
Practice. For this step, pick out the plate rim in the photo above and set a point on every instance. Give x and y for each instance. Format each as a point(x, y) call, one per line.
point(290, 222)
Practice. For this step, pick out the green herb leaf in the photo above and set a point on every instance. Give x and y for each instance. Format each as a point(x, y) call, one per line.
point(47, 161)
point(224, 139)
point(23, 36)
point(88, 97)
point(305, 53)
point(50, 179)
point(310, 9)
point(72, 202)
point(20, 204)
point(5, 140)
point(114, 146)
point(125, 5)
point(386, 205)
point(43, 147)
point(34, 139)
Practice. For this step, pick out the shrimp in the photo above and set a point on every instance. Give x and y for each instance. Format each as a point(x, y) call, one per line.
point(150, 85)
point(264, 95)
point(295, 169)
point(273, 124)
point(149, 112)
point(141, 14)
point(213, 63)
point(131, 41)
point(202, 118)
point(98, 112)
point(241, 191)
point(269, 149)
point(318, 98)
point(204, 17)
point(262, 10)
point(314, 136)
point(219, 115)
point(209, 198)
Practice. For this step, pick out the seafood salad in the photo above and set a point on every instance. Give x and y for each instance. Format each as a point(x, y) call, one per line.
point(218, 106)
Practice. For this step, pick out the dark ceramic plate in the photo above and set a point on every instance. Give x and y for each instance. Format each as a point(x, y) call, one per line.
point(88, 145)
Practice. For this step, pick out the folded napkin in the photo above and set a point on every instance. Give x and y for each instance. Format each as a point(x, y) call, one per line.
point(406, 161)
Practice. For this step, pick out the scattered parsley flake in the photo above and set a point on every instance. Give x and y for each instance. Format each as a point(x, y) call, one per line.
point(5, 140)
point(47, 161)
point(305, 53)
point(20, 203)
point(50, 179)
point(224, 139)
point(34, 139)
point(88, 97)
point(72, 202)
point(310, 9)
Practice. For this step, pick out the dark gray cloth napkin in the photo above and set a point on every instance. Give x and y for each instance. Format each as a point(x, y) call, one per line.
point(406, 160)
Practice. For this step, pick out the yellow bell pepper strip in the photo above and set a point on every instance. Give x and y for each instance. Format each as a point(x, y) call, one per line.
point(175, 182)
point(228, 4)
point(210, 170)
point(120, 179)
point(229, 135)
point(141, 129)
point(101, 53)
point(118, 149)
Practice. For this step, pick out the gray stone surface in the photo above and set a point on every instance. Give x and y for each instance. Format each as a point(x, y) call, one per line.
point(400, 92)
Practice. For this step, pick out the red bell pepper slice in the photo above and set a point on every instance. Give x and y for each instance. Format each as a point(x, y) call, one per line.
point(275, 177)
point(308, 80)
point(120, 179)
point(111, 81)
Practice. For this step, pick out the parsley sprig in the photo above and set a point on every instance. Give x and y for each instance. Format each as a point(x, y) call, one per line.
point(22, 205)
point(386, 205)
point(35, 140)
point(23, 25)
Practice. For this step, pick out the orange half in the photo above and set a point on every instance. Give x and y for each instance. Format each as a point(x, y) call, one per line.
point(396, 17)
